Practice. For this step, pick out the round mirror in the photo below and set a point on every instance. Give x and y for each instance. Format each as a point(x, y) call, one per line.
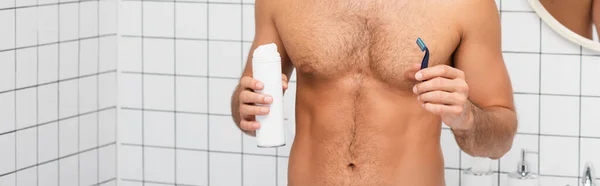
point(575, 20)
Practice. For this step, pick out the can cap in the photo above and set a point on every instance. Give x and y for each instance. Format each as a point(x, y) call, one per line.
point(265, 53)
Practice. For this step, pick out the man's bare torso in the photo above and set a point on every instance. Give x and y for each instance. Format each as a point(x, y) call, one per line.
point(357, 120)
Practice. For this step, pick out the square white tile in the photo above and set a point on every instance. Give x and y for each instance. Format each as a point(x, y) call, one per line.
point(7, 112)
point(27, 26)
point(108, 16)
point(590, 123)
point(564, 149)
point(250, 146)
point(107, 90)
point(26, 67)
point(27, 177)
point(25, 3)
point(69, 21)
point(159, 92)
point(159, 128)
point(589, 152)
point(130, 18)
point(130, 162)
point(88, 18)
point(515, 5)
point(47, 23)
point(88, 56)
point(247, 46)
point(248, 20)
point(110, 183)
point(26, 107)
point(450, 149)
point(451, 177)
point(192, 94)
point(224, 125)
point(47, 173)
point(159, 164)
point(88, 131)
point(130, 126)
point(7, 158)
point(108, 53)
point(191, 20)
point(192, 167)
point(7, 70)
point(47, 142)
point(548, 180)
point(108, 163)
point(10, 179)
point(192, 131)
point(524, 71)
point(509, 161)
point(108, 126)
point(191, 57)
point(225, 169)
point(553, 42)
point(282, 171)
point(528, 111)
point(68, 137)
point(48, 63)
point(224, 59)
point(159, 56)
point(158, 19)
point(88, 167)
point(560, 74)
point(219, 92)
point(69, 60)
point(259, 170)
point(42, 2)
point(130, 90)
point(130, 54)
point(68, 174)
point(7, 34)
point(225, 21)
point(590, 66)
point(7, 4)
point(559, 115)
point(520, 32)
point(88, 94)
point(67, 100)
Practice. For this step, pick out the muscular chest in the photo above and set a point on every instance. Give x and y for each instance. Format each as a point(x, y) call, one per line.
point(328, 39)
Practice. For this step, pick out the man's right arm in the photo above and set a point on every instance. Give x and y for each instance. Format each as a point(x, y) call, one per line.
point(243, 100)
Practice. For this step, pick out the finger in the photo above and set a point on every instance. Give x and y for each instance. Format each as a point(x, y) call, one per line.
point(439, 71)
point(253, 110)
point(250, 83)
point(247, 96)
point(441, 84)
point(284, 77)
point(285, 85)
point(249, 125)
point(440, 109)
point(442, 97)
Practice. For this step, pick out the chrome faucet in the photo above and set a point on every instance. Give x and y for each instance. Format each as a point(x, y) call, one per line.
point(589, 175)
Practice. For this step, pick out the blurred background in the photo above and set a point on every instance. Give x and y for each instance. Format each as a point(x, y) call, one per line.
point(136, 93)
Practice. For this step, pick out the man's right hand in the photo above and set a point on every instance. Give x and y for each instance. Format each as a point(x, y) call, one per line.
point(248, 100)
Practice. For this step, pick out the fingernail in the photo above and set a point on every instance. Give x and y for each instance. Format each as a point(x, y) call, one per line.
point(259, 85)
point(268, 99)
point(415, 89)
point(418, 76)
point(264, 110)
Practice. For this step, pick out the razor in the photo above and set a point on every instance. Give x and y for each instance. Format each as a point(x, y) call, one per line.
point(424, 48)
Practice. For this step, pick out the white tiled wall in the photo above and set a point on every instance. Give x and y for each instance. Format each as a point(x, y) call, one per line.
point(58, 83)
point(180, 62)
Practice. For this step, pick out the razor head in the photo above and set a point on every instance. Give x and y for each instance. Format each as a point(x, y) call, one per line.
point(421, 44)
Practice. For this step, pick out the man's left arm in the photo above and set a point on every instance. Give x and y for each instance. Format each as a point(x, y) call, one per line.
point(474, 98)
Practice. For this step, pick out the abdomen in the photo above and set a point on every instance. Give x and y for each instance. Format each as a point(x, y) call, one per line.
point(357, 130)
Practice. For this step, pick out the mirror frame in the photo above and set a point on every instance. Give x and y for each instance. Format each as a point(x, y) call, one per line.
point(561, 29)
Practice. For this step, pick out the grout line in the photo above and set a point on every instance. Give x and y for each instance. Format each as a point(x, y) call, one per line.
point(59, 42)
point(199, 150)
point(59, 81)
point(539, 100)
point(15, 93)
point(549, 94)
point(175, 90)
point(37, 107)
point(579, 137)
point(78, 92)
point(98, 94)
point(242, 133)
point(188, 38)
point(58, 99)
point(157, 182)
point(142, 92)
point(105, 181)
point(208, 94)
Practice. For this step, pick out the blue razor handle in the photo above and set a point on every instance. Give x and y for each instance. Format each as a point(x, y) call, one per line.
point(424, 48)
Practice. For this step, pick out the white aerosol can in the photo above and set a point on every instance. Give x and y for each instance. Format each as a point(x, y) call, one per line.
point(266, 68)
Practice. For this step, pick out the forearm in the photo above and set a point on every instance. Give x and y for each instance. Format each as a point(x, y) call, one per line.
point(596, 15)
point(492, 132)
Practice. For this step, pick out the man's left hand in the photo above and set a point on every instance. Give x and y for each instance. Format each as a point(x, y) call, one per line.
point(443, 91)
